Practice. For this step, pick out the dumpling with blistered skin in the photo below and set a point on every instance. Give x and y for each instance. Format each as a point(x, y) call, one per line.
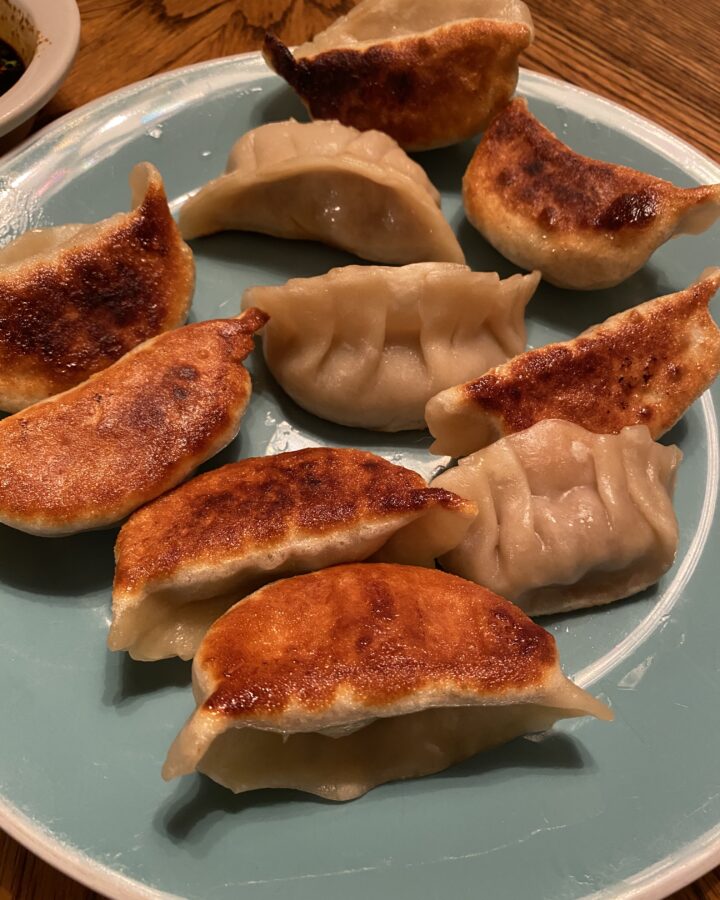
point(338, 681)
point(566, 518)
point(585, 224)
point(644, 366)
point(87, 458)
point(326, 182)
point(182, 560)
point(428, 73)
point(75, 298)
point(368, 346)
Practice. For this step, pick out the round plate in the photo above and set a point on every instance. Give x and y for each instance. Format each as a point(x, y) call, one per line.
point(595, 809)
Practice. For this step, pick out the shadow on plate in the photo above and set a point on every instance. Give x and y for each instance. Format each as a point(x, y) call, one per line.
point(648, 596)
point(127, 680)
point(55, 568)
point(199, 803)
point(277, 105)
point(445, 167)
point(282, 257)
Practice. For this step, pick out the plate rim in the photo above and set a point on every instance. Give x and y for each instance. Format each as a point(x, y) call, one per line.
point(655, 882)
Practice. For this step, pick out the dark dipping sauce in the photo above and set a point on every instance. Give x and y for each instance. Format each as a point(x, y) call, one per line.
point(11, 67)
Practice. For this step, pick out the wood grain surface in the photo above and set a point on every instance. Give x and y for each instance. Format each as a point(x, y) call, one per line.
point(658, 58)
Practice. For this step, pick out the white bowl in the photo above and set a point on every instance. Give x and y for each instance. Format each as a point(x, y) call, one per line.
point(46, 34)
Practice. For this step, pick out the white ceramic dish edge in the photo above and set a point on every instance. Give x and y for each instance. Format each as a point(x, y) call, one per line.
point(58, 27)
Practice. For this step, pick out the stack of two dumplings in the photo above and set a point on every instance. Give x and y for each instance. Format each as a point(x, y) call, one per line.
point(380, 670)
point(574, 495)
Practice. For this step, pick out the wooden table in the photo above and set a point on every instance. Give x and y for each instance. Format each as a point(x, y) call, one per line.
point(658, 58)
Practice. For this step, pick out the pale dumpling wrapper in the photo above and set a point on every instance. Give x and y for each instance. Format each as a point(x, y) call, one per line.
point(324, 181)
point(643, 366)
point(428, 73)
point(74, 298)
point(584, 223)
point(368, 346)
point(566, 518)
point(184, 559)
point(338, 681)
point(88, 457)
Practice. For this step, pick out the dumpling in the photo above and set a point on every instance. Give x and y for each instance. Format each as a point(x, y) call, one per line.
point(86, 458)
point(75, 298)
point(428, 73)
point(338, 681)
point(584, 223)
point(644, 366)
point(325, 182)
point(184, 559)
point(368, 346)
point(567, 518)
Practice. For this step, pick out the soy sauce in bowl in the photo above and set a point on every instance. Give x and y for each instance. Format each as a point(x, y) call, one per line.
point(11, 66)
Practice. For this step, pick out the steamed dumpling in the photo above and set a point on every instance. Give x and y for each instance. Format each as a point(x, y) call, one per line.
point(338, 681)
point(428, 73)
point(326, 182)
point(644, 366)
point(75, 298)
point(584, 223)
point(567, 518)
point(184, 559)
point(368, 346)
point(90, 456)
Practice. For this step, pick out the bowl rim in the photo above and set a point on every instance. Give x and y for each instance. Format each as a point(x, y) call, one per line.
point(58, 28)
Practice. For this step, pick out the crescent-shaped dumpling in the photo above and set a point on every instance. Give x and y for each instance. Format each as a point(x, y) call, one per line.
point(90, 456)
point(368, 346)
point(184, 559)
point(584, 223)
point(75, 298)
point(644, 366)
point(338, 681)
point(429, 73)
point(566, 518)
point(326, 182)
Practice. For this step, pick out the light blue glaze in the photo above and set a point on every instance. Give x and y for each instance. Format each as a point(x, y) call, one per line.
point(84, 732)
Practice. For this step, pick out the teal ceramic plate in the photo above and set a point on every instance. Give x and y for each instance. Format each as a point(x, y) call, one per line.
point(629, 809)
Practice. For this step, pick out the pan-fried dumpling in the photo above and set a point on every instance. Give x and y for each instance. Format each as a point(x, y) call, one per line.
point(584, 223)
point(567, 518)
point(428, 73)
point(184, 559)
point(325, 182)
point(86, 458)
point(368, 346)
point(338, 681)
point(75, 298)
point(644, 366)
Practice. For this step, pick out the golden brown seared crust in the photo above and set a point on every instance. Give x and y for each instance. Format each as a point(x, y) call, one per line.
point(644, 366)
point(584, 224)
point(426, 90)
point(86, 306)
point(381, 631)
point(529, 170)
point(88, 457)
point(248, 505)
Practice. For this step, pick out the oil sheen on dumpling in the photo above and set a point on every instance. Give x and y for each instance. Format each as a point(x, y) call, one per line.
point(341, 680)
point(644, 366)
point(184, 559)
point(567, 518)
point(75, 298)
point(368, 346)
point(427, 72)
point(584, 223)
point(88, 457)
point(326, 182)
